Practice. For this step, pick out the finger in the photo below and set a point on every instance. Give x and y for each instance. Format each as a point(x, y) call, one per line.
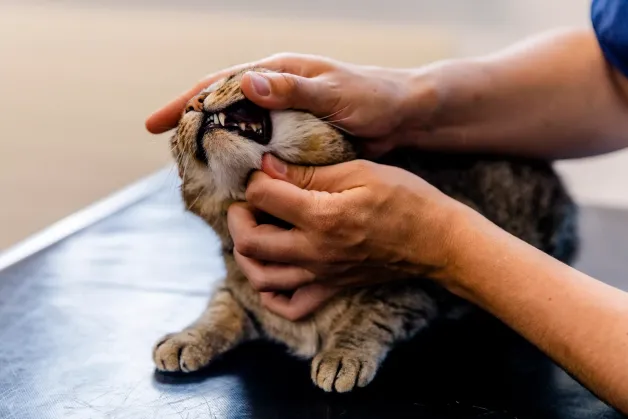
point(167, 117)
point(272, 277)
point(289, 91)
point(304, 65)
point(279, 199)
point(335, 178)
point(266, 242)
point(304, 301)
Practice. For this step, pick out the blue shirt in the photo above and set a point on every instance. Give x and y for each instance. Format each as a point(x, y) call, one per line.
point(610, 22)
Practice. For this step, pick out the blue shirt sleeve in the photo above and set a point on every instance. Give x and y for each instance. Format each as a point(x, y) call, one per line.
point(610, 22)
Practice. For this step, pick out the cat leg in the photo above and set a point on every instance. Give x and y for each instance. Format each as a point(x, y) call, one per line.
point(355, 349)
point(223, 325)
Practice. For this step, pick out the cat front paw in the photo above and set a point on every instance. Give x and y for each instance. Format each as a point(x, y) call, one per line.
point(186, 351)
point(342, 370)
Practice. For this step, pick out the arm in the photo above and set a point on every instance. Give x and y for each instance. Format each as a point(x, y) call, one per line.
point(576, 320)
point(554, 96)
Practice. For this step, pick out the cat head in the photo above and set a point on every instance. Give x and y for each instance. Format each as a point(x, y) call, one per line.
point(222, 137)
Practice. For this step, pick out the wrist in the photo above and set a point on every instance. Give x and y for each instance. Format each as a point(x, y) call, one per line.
point(470, 239)
point(440, 99)
point(438, 238)
point(419, 104)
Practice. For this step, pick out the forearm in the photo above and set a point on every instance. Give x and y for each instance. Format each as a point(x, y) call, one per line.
point(551, 97)
point(579, 322)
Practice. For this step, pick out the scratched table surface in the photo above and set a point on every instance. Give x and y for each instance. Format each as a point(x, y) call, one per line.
point(78, 320)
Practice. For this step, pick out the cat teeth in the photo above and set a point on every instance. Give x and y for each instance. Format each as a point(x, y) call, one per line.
point(221, 119)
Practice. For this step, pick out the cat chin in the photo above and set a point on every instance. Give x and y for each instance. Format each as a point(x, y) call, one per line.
point(231, 187)
point(230, 165)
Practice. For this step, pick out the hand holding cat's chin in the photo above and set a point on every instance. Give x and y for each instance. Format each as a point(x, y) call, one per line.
point(355, 223)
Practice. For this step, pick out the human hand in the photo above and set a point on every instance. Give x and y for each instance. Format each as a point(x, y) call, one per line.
point(375, 104)
point(355, 223)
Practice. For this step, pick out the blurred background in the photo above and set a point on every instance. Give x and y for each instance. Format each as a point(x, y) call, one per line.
point(78, 78)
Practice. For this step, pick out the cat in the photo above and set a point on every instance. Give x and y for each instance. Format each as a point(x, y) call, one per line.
point(220, 141)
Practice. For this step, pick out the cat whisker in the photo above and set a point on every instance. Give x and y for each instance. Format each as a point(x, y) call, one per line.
point(185, 167)
point(335, 113)
point(333, 124)
point(335, 121)
point(196, 199)
point(171, 176)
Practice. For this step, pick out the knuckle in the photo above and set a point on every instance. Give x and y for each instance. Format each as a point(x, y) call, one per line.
point(246, 246)
point(305, 176)
point(280, 56)
point(255, 193)
point(258, 281)
point(364, 167)
point(334, 94)
point(233, 221)
point(291, 85)
point(286, 58)
point(281, 62)
point(293, 315)
point(237, 206)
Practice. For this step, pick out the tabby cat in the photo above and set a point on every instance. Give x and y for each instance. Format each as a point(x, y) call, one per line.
point(221, 139)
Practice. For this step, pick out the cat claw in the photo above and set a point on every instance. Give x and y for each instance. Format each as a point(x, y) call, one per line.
point(182, 352)
point(342, 371)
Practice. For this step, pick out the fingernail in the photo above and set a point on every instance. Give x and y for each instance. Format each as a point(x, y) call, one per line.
point(260, 84)
point(278, 165)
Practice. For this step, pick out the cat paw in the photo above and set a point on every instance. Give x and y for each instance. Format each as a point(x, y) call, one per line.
point(342, 371)
point(186, 351)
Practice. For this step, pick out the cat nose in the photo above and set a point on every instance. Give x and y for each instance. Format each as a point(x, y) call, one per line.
point(196, 103)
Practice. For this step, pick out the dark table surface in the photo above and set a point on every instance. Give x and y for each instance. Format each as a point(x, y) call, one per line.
point(78, 320)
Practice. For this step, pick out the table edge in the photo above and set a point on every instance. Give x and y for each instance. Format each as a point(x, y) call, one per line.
point(85, 217)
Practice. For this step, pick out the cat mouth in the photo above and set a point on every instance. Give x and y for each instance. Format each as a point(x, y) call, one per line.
point(243, 118)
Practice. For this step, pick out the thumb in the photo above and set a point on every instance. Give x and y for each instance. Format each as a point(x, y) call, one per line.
point(287, 91)
point(336, 178)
